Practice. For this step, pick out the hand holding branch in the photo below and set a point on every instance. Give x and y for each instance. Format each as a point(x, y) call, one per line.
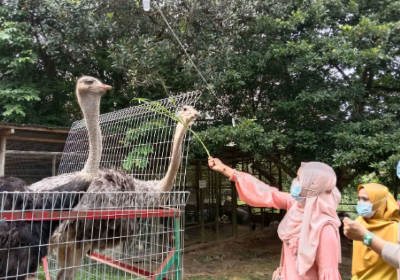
point(217, 165)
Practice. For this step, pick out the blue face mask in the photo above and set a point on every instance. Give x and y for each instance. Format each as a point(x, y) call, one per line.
point(295, 190)
point(364, 209)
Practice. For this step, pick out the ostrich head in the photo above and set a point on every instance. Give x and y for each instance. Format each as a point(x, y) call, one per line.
point(88, 85)
point(188, 115)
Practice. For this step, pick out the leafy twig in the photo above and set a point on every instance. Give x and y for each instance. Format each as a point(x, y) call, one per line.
point(158, 108)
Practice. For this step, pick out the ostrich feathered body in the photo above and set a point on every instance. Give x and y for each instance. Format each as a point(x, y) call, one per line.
point(109, 190)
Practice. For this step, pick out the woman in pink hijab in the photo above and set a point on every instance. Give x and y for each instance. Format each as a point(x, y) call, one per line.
point(309, 230)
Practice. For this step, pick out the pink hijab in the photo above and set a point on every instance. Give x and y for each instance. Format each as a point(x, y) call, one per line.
point(301, 227)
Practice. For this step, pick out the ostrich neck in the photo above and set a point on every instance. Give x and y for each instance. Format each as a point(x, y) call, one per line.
point(90, 106)
point(168, 181)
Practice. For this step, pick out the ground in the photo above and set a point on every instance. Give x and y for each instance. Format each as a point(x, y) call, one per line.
point(245, 260)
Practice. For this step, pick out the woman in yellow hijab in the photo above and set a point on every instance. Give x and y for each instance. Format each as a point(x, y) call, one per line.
point(379, 214)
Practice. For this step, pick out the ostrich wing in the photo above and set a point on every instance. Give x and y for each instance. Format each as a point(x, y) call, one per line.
point(77, 181)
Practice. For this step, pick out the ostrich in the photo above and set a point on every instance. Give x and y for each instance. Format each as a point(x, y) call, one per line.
point(23, 244)
point(88, 92)
point(73, 239)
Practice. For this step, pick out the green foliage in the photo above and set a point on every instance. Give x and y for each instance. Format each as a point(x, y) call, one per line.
point(16, 61)
point(247, 135)
point(154, 106)
point(141, 131)
point(321, 77)
point(138, 157)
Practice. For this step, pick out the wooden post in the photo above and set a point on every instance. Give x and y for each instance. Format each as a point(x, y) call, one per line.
point(197, 192)
point(217, 198)
point(262, 209)
point(248, 206)
point(234, 206)
point(53, 169)
point(201, 202)
point(3, 148)
point(3, 144)
point(395, 182)
point(202, 214)
point(212, 193)
point(281, 212)
point(280, 178)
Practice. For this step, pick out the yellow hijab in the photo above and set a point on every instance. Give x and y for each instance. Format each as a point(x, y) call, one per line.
point(383, 224)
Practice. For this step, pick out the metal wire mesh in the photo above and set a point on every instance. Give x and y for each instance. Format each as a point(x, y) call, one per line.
point(32, 161)
point(31, 168)
point(138, 236)
point(138, 141)
point(130, 235)
point(135, 139)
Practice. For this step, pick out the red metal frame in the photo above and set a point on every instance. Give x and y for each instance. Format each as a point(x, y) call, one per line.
point(46, 268)
point(38, 216)
point(127, 268)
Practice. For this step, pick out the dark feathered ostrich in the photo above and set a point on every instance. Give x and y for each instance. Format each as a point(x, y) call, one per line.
point(73, 239)
point(23, 244)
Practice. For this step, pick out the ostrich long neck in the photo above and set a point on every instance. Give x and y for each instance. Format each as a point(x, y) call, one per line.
point(90, 106)
point(176, 155)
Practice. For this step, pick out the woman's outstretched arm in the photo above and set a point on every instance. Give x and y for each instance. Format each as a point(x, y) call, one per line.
point(251, 190)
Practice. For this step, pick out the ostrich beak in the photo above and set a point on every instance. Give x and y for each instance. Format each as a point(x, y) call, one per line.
point(104, 86)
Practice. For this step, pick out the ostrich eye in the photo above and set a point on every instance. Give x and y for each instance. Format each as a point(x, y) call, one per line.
point(184, 109)
point(89, 81)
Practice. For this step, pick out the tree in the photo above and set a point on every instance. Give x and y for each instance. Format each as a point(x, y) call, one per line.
point(306, 80)
point(321, 80)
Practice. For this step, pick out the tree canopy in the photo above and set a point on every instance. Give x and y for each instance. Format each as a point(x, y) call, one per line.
point(305, 80)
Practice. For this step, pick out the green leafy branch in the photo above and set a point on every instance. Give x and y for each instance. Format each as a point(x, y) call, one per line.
point(138, 157)
point(158, 108)
point(135, 133)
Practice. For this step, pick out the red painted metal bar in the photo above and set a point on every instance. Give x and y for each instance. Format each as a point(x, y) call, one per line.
point(46, 268)
point(120, 265)
point(38, 216)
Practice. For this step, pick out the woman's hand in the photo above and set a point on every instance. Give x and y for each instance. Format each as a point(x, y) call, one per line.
point(354, 230)
point(217, 165)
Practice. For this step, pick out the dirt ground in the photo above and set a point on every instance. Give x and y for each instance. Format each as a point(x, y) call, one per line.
point(246, 260)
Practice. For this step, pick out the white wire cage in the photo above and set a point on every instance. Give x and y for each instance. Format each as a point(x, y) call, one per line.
point(129, 235)
point(138, 141)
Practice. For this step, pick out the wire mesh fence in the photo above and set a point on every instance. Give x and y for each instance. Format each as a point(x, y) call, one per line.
point(108, 234)
point(130, 235)
point(136, 140)
point(31, 167)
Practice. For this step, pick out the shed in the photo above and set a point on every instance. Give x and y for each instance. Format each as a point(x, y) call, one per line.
point(30, 152)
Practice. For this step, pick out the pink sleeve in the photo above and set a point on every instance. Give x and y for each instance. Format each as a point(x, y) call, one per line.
point(327, 257)
point(258, 194)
